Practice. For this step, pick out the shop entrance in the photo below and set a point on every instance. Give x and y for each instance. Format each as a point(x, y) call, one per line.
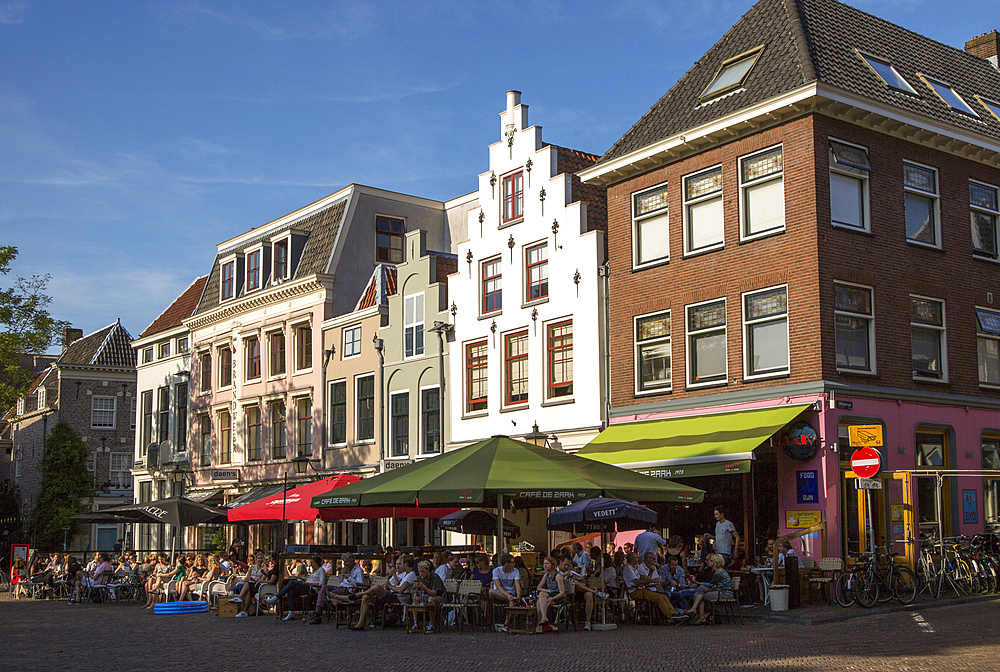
point(890, 514)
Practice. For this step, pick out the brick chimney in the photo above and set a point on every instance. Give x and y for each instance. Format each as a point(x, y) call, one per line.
point(985, 46)
point(70, 335)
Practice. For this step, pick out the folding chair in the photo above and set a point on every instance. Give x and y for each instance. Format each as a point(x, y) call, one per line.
point(831, 567)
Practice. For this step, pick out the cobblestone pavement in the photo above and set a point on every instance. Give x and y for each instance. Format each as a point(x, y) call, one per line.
point(39, 635)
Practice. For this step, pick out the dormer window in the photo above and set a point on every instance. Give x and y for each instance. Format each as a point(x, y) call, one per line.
point(281, 260)
point(732, 74)
point(42, 401)
point(228, 288)
point(888, 74)
point(949, 96)
point(253, 270)
point(20, 406)
point(390, 233)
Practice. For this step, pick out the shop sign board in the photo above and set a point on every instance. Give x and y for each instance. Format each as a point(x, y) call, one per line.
point(865, 435)
point(802, 519)
point(869, 484)
point(970, 507)
point(808, 487)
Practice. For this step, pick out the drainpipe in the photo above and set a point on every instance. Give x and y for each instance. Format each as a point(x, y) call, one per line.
point(604, 271)
point(380, 348)
point(441, 328)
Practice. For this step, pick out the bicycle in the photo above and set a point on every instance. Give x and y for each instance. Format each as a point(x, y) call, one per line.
point(881, 582)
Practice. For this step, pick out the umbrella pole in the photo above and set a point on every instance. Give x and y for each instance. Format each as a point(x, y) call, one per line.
point(500, 548)
point(604, 625)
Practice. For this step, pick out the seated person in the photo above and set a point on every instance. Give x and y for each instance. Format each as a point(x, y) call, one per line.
point(613, 571)
point(642, 582)
point(785, 550)
point(396, 589)
point(161, 572)
point(720, 585)
point(551, 589)
point(194, 575)
point(675, 581)
point(97, 577)
point(506, 587)
point(352, 577)
point(628, 547)
point(482, 571)
point(582, 590)
point(200, 588)
point(300, 586)
point(522, 569)
point(259, 573)
point(428, 588)
point(582, 559)
point(675, 547)
point(451, 568)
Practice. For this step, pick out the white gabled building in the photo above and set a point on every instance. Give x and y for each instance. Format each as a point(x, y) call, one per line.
point(527, 300)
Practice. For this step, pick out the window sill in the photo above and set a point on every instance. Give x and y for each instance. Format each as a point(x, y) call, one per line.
point(766, 376)
point(514, 407)
point(659, 390)
point(985, 256)
point(705, 250)
point(487, 316)
point(650, 264)
point(225, 388)
point(363, 442)
point(856, 229)
point(857, 372)
point(504, 225)
point(713, 383)
point(424, 456)
point(937, 381)
point(334, 446)
point(535, 302)
point(476, 414)
point(559, 401)
point(251, 381)
point(927, 246)
point(989, 386)
point(301, 372)
point(278, 377)
point(763, 234)
point(397, 458)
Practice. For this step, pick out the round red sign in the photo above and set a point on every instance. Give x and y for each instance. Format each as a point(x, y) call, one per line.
point(866, 462)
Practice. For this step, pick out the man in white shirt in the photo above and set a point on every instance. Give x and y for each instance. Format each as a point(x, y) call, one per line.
point(642, 582)
point(506, 586)
point(448, 568)
point(727, 539)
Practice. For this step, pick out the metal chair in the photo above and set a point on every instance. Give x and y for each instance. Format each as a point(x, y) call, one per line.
point(731, 604)
point(566, 607)
point(831, 567)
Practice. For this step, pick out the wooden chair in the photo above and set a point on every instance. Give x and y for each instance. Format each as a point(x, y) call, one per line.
point(830, 567)
point(731, 604)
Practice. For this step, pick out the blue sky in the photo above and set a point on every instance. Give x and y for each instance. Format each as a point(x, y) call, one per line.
point(134, 137)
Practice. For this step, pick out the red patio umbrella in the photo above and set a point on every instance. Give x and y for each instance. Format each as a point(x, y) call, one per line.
point(294, 504)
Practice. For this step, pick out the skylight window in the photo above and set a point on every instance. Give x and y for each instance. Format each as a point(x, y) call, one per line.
point(732, 74)
point(949, 96)
point(993, 107)
point(888, 74)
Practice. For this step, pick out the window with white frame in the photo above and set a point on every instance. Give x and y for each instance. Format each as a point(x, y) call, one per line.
point(650, 226)
point(276, 348)
point(559, 365)
point(163, 414)
point(988, 345)
point(921, 197)
point(205, 369)
point(146, 432)
point(227, 287)
point(491, 283)
point(182, 345)
point(42, 396)
point(279, 256)
point(147, 355)
point(536, 272)
point(304, 423)
point(513, 197)
point(365, 421)
point(251, 348)
point(164, 350)
point(399, 409)
point(20, 406)
point(706, 343)
point(224, 356)
point(120, 473)
point(516, 368)
point(303, 347)
point(985, 211)
point(253, 270)
point(279, 433)
point(430, 421)
point(850, 169)
point(652, 352)
point(352, 341)
point(476, 376)
point(225, 438)
point(254, 436)
point(762, 187)
point(854, 327)
point(703, 225)
point(765, 328)
point(927, 337)
point(102, 412)
point(338, 412)
point(180, 417)
point(205, 440)
point(413, 325)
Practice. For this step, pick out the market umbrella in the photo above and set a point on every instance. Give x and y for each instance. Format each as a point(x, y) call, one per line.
point(498, 470)
point(594, 514)
point(174, 511)
point(296, 504)
point(474, 521)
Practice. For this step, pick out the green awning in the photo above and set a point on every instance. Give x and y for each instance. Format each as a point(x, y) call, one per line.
point(697, 445)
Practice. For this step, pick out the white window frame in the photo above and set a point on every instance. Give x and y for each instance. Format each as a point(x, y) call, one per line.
point(164, 350)
point(942, 339)
point(420, 422)
point(20, 406)
point(748, 324)
point(287, 242)
point(147, 355)
point(989, 334)
point(296, 329)
point(391, 451)
point(42, 396)
point(657, 215)
point(698, 200)
point(126, 478)
point(331, 384)
point(222, 279)
point(259, 251)
point(357, 409)
point(637, 349)
point(688, 333)
point(355, 349)
point(935, 204)
point(987, 211)
point(857, 173)
point(748, 186)
point(414, 326)
point(113, 410)
point(873, 370)
point(183, 345)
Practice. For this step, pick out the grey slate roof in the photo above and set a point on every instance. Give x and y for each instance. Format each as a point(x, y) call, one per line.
point(321, 227)
point(110, 346)
point(815, 40)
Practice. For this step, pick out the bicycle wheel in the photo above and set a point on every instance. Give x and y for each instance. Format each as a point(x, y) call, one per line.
point(960, 577)
point(904, 584)
point(866, 589)
point(843, 590)
point(886, 591)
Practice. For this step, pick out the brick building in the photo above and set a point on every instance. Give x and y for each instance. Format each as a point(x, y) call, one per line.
point(91, 387)
point(791, 254)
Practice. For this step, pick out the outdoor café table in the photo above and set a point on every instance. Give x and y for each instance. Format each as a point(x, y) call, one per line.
point(521, 619)
point(766, 575)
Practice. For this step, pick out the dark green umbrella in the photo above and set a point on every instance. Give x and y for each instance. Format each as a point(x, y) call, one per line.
point(498, 470)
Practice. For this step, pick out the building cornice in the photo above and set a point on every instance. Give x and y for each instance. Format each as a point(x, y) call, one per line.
point(267, 297)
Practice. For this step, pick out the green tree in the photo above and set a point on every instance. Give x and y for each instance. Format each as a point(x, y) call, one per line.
point(25, 328)
point(65, 483)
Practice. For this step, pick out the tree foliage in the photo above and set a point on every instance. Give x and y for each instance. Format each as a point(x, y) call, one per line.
point(25, 328)
point(65, 483)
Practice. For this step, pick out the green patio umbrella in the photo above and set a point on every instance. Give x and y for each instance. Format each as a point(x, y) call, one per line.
point(499, 470)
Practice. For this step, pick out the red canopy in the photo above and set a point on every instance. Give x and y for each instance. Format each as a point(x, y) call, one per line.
point(296, 505)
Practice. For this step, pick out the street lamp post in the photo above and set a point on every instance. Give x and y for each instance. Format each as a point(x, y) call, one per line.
point(300, 463)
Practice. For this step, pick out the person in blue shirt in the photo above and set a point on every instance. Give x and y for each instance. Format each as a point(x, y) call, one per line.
point(649, 541)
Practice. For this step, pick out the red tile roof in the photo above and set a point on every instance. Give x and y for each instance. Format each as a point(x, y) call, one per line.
point(181, 309)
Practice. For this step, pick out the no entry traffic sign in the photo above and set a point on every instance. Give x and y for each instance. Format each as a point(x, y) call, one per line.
point(866, 462)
